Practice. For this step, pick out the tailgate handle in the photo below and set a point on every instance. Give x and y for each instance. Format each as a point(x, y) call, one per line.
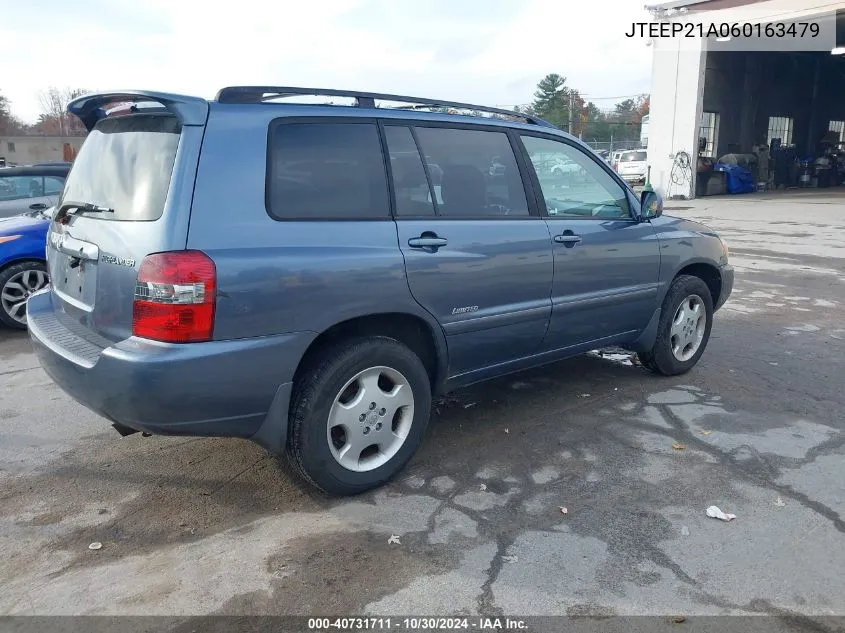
point(78, 249)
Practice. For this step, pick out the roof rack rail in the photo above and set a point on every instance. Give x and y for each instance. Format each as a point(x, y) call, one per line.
point(259, 94)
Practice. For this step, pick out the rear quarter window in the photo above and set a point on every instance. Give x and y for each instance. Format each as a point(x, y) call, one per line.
point(326, 171)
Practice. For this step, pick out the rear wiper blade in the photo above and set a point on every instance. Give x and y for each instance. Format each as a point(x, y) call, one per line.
point(87, 207)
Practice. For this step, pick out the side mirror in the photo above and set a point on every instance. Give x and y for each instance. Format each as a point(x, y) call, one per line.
point(651, 205)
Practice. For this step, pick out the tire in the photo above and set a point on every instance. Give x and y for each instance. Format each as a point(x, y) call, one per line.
point(662, 359)
point(18, 282)
point(315, 449)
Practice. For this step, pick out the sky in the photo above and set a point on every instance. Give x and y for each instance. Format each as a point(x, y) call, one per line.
point(491, 52)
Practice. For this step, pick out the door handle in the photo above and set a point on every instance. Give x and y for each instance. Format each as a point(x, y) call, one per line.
point(38, 206)
point(427, 242)
point(568, 239)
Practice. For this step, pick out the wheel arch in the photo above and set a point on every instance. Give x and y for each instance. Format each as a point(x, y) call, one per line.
point(20, 260)
point(419, 334)
point(704, 270)
point(708, 273)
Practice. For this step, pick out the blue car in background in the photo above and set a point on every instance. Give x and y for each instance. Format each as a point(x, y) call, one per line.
point(27, 195)
point(23, 267)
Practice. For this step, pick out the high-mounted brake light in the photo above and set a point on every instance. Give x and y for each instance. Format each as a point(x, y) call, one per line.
point(174, 297)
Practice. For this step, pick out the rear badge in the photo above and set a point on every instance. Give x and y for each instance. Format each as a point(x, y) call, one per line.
point(118, 261)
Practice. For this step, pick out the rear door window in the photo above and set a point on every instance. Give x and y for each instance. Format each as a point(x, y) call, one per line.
point(478, 173)
point(326, 170)
point(126, 164)
point(21, 187)
point(53, 185)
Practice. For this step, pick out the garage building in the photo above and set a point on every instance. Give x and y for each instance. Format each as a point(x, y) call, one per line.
point(777, 114)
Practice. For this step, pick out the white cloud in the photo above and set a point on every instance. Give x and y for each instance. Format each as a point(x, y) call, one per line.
point(490, 51)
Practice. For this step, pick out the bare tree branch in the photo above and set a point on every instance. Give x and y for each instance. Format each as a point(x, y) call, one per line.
point(54, 116)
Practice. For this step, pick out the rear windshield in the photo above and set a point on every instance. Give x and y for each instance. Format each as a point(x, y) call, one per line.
point(125, 164)
point(631, 157)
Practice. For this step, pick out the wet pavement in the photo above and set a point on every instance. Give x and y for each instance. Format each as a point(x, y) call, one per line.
point(204, 526)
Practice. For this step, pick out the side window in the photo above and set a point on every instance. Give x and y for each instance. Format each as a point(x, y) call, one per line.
point(326, 170)
point(53, 185)
point(21, 187)
point(573, 185)
point(410, 185)
point(473, 172)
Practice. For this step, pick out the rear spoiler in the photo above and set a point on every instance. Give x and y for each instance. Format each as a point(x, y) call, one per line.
point(90, 108)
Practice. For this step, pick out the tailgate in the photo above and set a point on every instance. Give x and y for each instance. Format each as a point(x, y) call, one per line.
point(632, 168)
point(128, 195)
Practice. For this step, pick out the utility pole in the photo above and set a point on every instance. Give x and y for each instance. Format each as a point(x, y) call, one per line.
point(571, 109)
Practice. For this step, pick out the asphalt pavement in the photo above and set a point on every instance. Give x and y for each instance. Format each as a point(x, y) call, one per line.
point(475, 524)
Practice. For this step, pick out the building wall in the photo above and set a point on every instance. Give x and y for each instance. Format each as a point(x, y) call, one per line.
point(676, 86)
point(26, 150)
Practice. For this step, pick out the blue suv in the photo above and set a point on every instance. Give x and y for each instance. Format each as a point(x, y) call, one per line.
point(309, 276)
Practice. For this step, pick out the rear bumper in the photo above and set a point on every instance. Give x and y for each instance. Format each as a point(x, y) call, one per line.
point(219, 388)
point(727, 274)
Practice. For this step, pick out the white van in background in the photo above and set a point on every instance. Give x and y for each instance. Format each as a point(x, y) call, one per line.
point(633, 166)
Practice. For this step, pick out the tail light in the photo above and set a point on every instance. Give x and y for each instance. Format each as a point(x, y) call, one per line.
point(174, 297)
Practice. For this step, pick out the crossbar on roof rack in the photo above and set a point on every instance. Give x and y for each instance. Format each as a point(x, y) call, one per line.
point(259, 94)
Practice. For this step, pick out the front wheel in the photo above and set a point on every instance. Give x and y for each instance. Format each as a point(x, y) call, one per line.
point(684, 329)
point(358, 414)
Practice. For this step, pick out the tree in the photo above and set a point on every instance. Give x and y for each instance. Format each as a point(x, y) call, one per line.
point(625, 110)
point(643, 106)
point(551, 100)
point(580, 117)
point(10, 125)
point(54, 117)
point(596, 126)
point(625, 120)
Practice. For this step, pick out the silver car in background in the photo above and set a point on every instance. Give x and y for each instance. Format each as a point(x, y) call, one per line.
point(31, 189)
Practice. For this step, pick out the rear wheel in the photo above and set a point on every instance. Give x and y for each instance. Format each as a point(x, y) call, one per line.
point(17, 283)
point(358, 414)
point(684, 329)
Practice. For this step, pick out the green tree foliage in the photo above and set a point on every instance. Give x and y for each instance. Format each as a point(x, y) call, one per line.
point(551, 100)
point(621, 124)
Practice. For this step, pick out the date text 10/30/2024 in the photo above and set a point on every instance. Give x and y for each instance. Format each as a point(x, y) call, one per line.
point(415, 624)
point(724, 29)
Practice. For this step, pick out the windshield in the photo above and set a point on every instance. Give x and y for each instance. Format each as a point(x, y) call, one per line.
point(631, 157)
point(125, 164)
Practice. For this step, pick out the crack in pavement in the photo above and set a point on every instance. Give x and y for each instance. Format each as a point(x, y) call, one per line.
point(18, 371)
point(748, 474)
